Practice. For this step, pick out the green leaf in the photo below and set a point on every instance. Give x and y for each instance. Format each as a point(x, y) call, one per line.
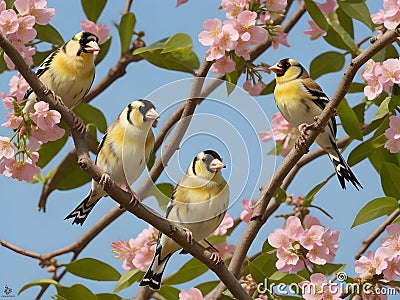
point(262, 267)
point(288, 279)
point(178, 57)
point(169, 292)
point(76, 292)
point(3, 66)
point(375, 209)
point(328, 269)
point(162, 192)
point(390, 174)
point(356, 87)
point(51, 149)
point(316, 15)
point(127, 279)
point(48, 33)
point(357, 9)
point(93, 269)
point(103, 50)
point(388, 52)
point(383, 109)
point(327, 62)
point(349, 120)
point(192, 269)
point(207, 287)
point(231, 81)
point(107, 296)
point(40, 282)
point(39, 57)
point(345, 37)
point(359, 110)
point(311, 194)
point(93, 8)
point(345, 21)
point(363, 150)
point(91, 115)
point(280, 195)
point(381, 155)
point(126, 29)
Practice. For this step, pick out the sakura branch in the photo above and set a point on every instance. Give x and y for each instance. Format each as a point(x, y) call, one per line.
point(259, 218)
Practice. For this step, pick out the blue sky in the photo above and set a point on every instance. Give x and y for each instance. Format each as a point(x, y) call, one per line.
point(227, 125)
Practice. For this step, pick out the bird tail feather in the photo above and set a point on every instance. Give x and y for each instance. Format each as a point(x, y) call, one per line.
point(343, 170)
point(81, 212)
point(153, 276)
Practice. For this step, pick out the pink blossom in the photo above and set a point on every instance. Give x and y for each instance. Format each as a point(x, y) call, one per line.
point(392, 14)
point(312, 237)
point(314, 30)
point(330, 240)
point(3, 5)
point(20, 170)
point(233, 7)
point(192, 294)
point(379, 17)
point(310, 220)
point(25, 31)
point(100, 30)
point(9, 21)
point(36, 8)
point(225, 249)
point(318, 255)
point(393, 136)
point(212, 28)
point(245, 24)
point(328, 7)
point(243, 49)
point(288, 260)
point(222, 66)
point(276, 5)
point(26, 53)
point(137, 253)
point(227, 38)
point(226, 223)
point(51, 134)
point(318, 288)
point(279, 37)
point(18, 87)
point(390, 72)
point(13, 121)
point(6, 147)
point(392, 271)
point(245, 215)
point(253, 90)
point(43, 117)
point(365, 265)
point(282, 133)
point(180, 2)
point(8, 101)
point(392, 241)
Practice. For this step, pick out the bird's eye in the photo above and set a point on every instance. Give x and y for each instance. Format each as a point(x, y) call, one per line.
point(203, 159)
point(141, 108)
point(286, 65)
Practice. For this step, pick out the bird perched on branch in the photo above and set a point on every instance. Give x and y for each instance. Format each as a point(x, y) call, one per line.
point(300, 99)
point(198, 204)
point(68, 71)
point(122, 154)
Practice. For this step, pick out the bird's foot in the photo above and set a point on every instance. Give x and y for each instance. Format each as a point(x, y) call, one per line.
point(51, 92)
point(79, 125)
point(134, 197)
point(215, 257)
point(105, 178)
point(189, 235)
point(301, 140)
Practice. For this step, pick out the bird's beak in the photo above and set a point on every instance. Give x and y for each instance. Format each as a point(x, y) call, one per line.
point(216, 165)
point(92, 46)
point(277, 68)
point(152, 115)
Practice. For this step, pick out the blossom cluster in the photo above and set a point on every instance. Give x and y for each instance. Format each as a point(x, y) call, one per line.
point(250, 286)
point(390, 17)
point(328, 9)
point(137, 253)
point(384, 264)
point(18, 28)
point(230, 41)
point(31, 133)
point(282, 133)
point(380, 76)
point(318, 288)
point(393, 135)
point(298, 246)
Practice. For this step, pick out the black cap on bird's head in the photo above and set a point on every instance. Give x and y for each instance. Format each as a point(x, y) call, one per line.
point(208, 158)
point(88, 42)
point(145, 111)
point(288, 67)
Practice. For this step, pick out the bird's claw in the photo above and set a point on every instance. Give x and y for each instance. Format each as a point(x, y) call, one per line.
point(301, 140)
point(215, 257)
point(105, 178)
point(189, 235)
point(79, 125)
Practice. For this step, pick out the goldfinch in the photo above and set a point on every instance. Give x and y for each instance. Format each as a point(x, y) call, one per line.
point(68, 71)
point(300, 99)
point(198, 204)
point(122, 154)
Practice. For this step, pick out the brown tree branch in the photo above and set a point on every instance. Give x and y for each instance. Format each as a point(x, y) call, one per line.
point(376, 233)
point(259, 217)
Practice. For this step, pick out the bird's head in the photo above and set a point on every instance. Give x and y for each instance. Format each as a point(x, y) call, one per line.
point(288, 69)
point(142, 113)
point(206, 164)
point(87, 42)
